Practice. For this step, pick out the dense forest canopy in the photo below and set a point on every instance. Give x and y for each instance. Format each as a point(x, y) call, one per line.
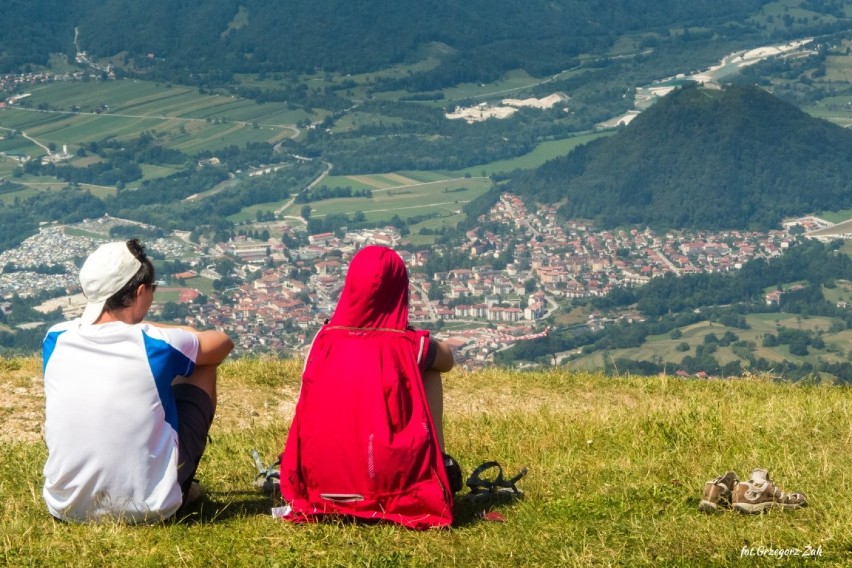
point(703, 158)
point(227, 36)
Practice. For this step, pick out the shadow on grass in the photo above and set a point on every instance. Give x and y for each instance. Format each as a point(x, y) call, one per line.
point(483, 507)
point(224, 505)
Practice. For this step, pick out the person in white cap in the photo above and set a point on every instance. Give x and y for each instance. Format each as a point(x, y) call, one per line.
point(128, 403)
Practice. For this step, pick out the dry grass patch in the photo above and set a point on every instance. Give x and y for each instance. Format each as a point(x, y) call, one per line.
point(21, 400)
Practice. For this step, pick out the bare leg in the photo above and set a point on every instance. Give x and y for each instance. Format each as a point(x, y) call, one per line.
point(434, 388)
point(204, 377)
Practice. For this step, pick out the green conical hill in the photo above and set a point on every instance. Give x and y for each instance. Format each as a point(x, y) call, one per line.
point(704, 158)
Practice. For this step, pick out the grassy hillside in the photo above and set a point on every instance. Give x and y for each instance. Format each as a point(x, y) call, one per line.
point(664, 348)
point(616, 472)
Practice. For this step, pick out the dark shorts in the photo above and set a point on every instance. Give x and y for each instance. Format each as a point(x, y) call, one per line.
point(427, 363)
point(195, 415)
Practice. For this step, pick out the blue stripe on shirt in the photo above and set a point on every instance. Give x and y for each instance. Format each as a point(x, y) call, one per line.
point(166, 363)
point(47, 347)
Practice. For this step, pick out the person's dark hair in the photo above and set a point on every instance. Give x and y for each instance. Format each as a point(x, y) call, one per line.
point(145, 275)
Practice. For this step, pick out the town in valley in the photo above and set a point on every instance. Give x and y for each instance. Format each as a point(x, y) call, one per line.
point(525, 267)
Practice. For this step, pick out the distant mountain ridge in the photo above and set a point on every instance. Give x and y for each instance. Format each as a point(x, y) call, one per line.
point(703, 158)
point(226, 36)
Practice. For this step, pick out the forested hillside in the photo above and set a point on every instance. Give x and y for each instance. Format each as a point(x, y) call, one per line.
point(704, 158)
point(480, 38)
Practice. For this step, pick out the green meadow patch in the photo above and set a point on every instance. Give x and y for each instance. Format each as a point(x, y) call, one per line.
point(152, 171)
point(512, 83)
point(203, 285)
point(835, 216)
point(249, 214)
point(15, 146)
point(842, 292)
point(616, 472)
point(541, 154)
point(398, 194)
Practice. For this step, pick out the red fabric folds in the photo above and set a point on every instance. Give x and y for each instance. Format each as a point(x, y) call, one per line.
point(362, 441)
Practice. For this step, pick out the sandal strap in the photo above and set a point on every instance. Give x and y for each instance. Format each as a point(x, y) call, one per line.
point(267, 477)
point(479, 485)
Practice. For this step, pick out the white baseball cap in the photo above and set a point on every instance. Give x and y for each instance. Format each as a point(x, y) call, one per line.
point(104, 273)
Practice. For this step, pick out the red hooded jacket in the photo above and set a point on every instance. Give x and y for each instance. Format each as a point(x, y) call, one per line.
point(362, 442)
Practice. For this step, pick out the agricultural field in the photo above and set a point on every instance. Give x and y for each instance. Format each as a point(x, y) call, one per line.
point(838, 72)
point(397, 194)
point(77, 113)
point(14, 145)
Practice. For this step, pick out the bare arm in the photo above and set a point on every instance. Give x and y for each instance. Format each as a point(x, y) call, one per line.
point(444, 360)
point(213, 346)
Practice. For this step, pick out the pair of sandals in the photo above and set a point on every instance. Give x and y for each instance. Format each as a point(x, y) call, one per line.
point(487, 479)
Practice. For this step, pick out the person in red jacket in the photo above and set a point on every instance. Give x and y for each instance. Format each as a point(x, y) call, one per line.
point(367, 436)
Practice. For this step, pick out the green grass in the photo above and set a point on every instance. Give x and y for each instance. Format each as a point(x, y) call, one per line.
point(152, 171)
point(203, 285)
point(616, 471)
point(13, 144)
point(835, 216)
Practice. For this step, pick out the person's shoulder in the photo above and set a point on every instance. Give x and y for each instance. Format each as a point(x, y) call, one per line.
point(63, 326)
point(166, 333)
point(172, 340)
